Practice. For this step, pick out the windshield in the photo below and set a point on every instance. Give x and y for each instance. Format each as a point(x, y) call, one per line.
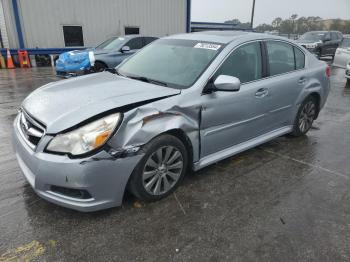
point(112, 43)
point(177, 63)
point(313, 36)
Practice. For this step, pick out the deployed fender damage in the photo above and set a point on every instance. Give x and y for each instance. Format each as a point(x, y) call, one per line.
point(140, 125)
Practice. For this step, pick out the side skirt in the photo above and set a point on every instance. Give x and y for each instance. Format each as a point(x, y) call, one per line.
point(220, 155)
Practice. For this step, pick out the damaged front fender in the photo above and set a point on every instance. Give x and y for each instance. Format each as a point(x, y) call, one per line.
point(142, 124)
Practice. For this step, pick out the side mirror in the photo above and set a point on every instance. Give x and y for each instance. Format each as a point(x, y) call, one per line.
point(227, 83)
point(125, 49)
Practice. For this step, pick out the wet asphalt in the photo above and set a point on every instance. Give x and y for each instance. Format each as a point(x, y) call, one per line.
point(287, 200)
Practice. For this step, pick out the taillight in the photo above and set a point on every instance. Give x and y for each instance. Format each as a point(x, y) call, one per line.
point(328, 71)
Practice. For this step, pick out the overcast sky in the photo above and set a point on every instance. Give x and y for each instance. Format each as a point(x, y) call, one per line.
point(267, 10)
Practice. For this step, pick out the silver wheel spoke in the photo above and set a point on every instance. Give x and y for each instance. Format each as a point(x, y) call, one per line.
point(176, 165)
point(160, 155)
point(174, 157)
point(157, 187)
point(168, 152)
point(174, 176)
point(150, 184)
point(149, 174)
point(166, 183)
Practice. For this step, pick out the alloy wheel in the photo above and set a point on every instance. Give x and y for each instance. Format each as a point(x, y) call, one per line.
point(307, 116)
point(162, 170)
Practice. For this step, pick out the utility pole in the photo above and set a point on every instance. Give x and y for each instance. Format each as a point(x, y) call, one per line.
point(252, 19)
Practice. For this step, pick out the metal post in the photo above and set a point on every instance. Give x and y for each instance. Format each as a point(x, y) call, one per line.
point(252, 19)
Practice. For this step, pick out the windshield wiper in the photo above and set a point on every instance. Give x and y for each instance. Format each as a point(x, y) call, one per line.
point(148, 80)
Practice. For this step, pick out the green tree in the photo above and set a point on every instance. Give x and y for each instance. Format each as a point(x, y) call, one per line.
point(276, 23)
point(337, 25)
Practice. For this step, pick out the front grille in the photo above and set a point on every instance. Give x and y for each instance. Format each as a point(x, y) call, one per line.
point(31, 130)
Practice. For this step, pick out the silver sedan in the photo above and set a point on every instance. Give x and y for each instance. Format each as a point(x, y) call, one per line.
point(181, 103)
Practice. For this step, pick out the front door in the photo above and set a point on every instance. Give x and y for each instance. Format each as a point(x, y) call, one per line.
point(230, 118)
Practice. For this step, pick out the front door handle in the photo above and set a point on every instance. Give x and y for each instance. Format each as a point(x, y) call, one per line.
point(262, 92)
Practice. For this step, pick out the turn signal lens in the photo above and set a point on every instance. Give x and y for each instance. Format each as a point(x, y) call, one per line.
point(101, 138)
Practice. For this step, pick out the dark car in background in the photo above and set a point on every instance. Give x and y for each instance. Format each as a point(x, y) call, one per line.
point(321, 43)
point(108, 54)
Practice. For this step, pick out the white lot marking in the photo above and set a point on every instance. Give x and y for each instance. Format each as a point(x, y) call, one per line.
point(180, 205)
point(307, 164)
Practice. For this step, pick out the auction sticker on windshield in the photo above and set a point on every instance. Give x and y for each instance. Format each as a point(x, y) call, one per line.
point(207, 46)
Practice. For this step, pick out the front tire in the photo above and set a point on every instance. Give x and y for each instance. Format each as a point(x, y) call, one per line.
point(160, 170)
point(99, 67)
point(305, 117)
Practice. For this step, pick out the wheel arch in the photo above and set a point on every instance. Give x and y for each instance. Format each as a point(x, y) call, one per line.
point(181, 135)
point(317, 98)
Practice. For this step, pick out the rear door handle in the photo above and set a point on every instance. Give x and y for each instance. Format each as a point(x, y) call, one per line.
point(262, 92)
point(302, 81)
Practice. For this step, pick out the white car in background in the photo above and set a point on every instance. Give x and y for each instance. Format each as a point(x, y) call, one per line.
point(342, 57)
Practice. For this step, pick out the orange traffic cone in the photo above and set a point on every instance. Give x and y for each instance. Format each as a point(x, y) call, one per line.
point(10, 64)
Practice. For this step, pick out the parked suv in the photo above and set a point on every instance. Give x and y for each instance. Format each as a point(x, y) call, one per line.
point(321, 43)
point(183, 102)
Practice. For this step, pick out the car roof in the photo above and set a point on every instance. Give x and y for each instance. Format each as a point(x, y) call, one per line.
point(224, 37)
point(133, 36)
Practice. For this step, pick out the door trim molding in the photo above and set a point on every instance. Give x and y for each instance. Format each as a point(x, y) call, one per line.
point(220, 155)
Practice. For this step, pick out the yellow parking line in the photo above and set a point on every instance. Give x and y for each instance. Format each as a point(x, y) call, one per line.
point(27, 252)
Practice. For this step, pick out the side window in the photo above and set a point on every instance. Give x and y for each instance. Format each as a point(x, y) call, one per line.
point(243, 63)
point(340, 35)
point(149, 40)
point(334, 36)
point(299, 58)
point(135, 43)
point(281, 57)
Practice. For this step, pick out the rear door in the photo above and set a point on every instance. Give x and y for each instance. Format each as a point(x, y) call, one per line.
point(288, 77)
point(342, 55)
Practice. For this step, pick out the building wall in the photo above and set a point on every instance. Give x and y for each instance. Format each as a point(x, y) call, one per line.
point(42, 20)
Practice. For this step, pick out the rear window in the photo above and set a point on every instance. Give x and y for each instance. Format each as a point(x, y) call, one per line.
point(281, 57)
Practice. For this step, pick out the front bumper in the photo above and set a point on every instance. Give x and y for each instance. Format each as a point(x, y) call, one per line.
point(104, 177)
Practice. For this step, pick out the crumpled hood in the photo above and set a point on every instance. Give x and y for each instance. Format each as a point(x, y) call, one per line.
point(63, 104)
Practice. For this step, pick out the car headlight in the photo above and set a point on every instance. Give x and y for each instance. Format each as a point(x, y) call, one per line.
point(86, 138)
point(314, 45)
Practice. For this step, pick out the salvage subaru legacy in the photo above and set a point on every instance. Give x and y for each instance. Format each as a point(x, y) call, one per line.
point(181, 103)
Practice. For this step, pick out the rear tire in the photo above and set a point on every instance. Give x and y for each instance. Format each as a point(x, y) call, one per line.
point(160, 170)
point(306, 115)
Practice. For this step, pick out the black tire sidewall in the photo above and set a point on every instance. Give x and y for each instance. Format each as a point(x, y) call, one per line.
point(99, 66)
point(135, 184)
